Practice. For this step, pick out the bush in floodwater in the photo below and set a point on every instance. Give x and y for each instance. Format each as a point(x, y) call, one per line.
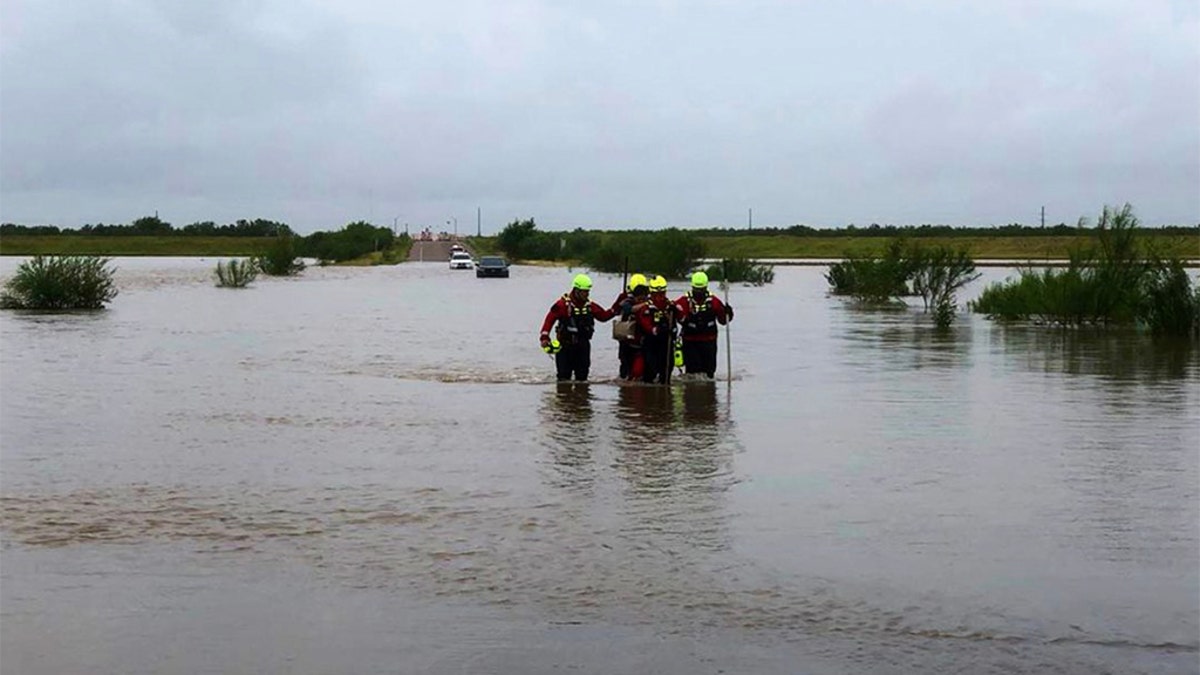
point(1169, 304)
point(938, 273)
point(1110, 283)
point(281, 258)
point(60, 282)
point(741, 270)
point(875, 281)
point(236, 273)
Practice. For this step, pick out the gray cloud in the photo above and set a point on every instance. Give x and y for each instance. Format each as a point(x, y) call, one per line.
point(599, 114)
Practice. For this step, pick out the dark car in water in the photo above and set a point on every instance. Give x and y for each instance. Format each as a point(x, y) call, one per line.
point(491, 266)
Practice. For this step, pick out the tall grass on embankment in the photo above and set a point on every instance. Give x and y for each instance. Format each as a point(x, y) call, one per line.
point(1120, 280)
point(1023, 249)
point(60, 283)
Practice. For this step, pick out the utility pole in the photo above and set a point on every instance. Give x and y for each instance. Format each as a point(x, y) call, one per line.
point(478, 222)
point(750, 220)
point(1043, 217)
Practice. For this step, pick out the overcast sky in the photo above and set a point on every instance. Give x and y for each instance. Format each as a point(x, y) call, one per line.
point(598, 114)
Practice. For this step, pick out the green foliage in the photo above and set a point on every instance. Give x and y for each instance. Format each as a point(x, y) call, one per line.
point(935, 273)
point(151, 225)
point(671, 252)
point(355, 240)
point(1110, 283)
point(874, 280)
point(741, 270)
point(236, 273)
point(944, 312)
point(521, 240)
point(258, 227)
point(60, 282)
point(938, 274)
point(281, 258)
point(1169, 305)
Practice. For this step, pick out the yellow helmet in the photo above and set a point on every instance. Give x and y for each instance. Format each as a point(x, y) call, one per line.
point(637, 280)
point(699, 280)
point(583, 282)
point(658, 284)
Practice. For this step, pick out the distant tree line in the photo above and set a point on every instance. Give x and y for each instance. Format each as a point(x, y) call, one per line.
point(352, 241)
point(155, 226)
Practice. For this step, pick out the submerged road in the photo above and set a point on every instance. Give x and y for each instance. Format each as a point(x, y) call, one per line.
point(432, 251)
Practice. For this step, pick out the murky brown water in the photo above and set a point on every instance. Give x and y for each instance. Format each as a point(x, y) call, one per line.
point(371, 470)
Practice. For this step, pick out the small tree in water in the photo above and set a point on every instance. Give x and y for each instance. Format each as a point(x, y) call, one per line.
point(938, 274)
point(59, 283)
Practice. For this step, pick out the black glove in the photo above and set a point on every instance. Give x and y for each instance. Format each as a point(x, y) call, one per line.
point(728, 313)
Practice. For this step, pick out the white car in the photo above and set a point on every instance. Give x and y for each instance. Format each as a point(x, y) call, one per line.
point(461, 260)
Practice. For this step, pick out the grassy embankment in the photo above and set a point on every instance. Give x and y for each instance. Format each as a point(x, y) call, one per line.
point(1023, 249)
point(18, 244)
point(758, 247)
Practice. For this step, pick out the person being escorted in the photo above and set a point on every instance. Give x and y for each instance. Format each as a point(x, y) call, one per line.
point(625, 330)
point(656, 323)
point(576, 316)
point(699, 313)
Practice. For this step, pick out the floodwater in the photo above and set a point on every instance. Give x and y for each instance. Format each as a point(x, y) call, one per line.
point(371, 470)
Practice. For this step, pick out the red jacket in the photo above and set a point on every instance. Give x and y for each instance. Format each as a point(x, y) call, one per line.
point(570, 315)
point(700, 327)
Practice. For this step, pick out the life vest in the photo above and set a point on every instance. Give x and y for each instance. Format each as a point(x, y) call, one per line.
point(701, 319)
point(579, 324)
point(659, 316)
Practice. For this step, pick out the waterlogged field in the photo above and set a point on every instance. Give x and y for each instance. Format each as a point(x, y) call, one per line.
point(372, 470)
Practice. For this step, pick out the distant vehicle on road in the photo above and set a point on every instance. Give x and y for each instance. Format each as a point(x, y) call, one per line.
point(461, 260)
point(491, 266)
point(454, 248)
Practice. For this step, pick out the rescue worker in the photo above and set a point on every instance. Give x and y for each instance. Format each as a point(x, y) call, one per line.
point(656, 322)
point(576, 316)
point(699, 313)
point(625, 331)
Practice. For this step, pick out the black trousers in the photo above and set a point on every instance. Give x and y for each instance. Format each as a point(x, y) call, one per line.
point(656, 358)
point(700, 357)
point(574, 360)
point(625, 355)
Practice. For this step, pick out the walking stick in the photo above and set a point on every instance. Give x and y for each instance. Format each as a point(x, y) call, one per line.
point(728, 352)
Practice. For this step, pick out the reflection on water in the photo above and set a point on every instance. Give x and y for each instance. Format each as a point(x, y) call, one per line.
point(1118, 356)
point(659, 459)
point(909, 340)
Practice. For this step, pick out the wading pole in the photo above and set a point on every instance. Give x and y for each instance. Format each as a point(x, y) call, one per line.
point(625, 277)
point(669, 362)
point(728, 353)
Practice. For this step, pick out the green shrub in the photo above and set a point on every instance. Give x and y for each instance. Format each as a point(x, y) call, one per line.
point(671, 252)
point(872, 280)
point(236, 273)
point(938, 273)
point(60, 282)
point(741, 270)
point(355, 240)
point(1169, 305)
point(1112, 282)
point(281, 258)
